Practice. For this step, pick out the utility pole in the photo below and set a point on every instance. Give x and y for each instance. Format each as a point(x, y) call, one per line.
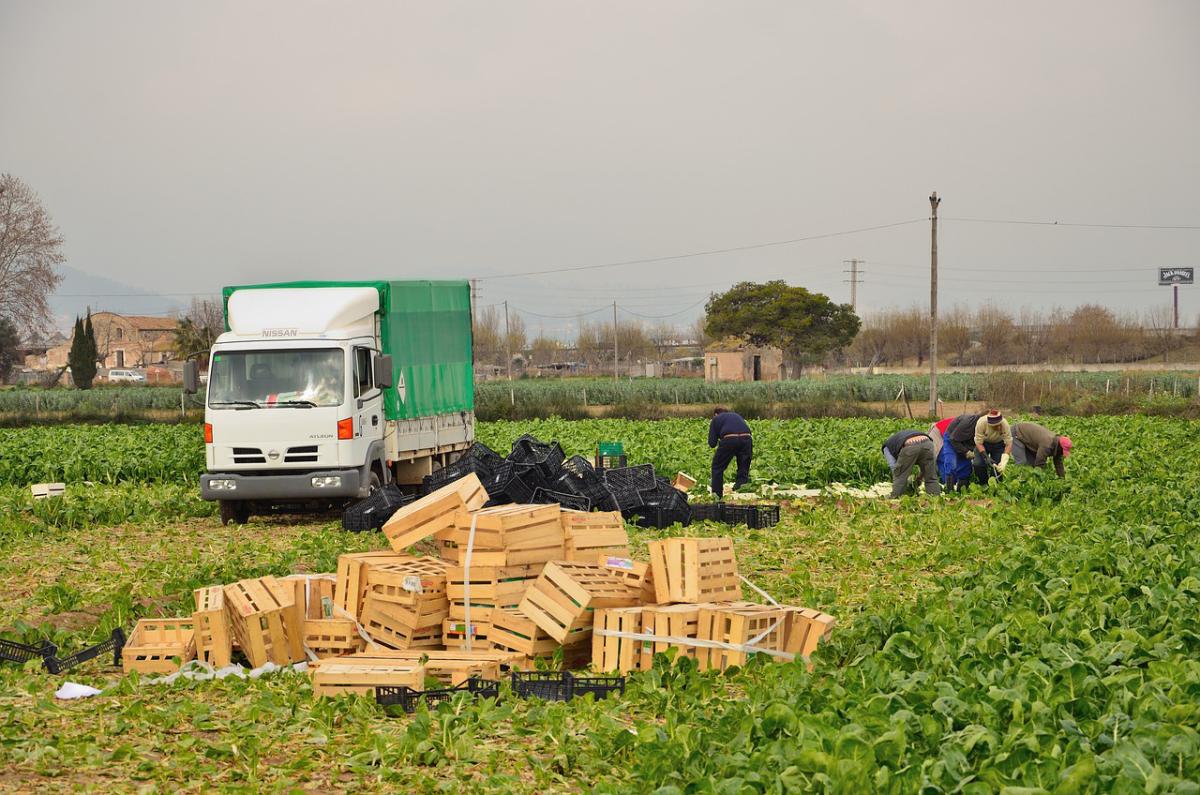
point(854, 274)
point(934, 201)
point(1175, 289)
point(474, 300)
point(507, 342)
point(616, 348)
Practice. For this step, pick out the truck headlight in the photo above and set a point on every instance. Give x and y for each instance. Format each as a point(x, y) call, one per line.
point(327, 482)
point(222, 484)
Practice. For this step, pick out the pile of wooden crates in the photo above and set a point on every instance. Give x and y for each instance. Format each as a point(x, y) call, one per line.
point(510, 585)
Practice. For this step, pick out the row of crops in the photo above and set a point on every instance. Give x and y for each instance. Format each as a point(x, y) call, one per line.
point(1029, 387)
point(812, 452)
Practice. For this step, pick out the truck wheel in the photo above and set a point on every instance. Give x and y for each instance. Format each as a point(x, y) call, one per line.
point(373, 483)
point(237, 512)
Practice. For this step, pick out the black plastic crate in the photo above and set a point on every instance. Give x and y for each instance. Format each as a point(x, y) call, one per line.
point(546, 685)
point(547, 457)
point(564, 685)
point(663, 506)
point(599, 686)
point(710, 511)
point(579, 466)
point(566, 500)
point(635, 478)
point(407, 699)
point(590, 486)
point(371, 513)
point(754, 516)
point(12, 651)
point(114, 644)
point(506, 484)
point(478, 458)
point(657, 516)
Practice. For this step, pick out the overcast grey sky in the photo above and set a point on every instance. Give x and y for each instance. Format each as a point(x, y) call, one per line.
point(182, 146)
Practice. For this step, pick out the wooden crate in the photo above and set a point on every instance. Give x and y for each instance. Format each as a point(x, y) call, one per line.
point(492, 584)
point(694, 570)
point(434, 512)
point(805, 629)
point(455, 633)
point(452, 666)
point(635, 574)
point(213, 633)
point(332, 636)
point(510, 527)
point(265, 621)
point(311, 591)
point(338, 677)
point(738, 624)
point(676, 621)
point(351, 586)
point(566, 594)
point(683, 482)
point(159, 645)
point(480, 611)
point(410, 583)
point(512, 631)
point(610, 653)
point(590, 535)
point(404, 628)
point(456, 555)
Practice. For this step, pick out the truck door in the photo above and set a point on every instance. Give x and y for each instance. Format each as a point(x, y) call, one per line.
point(368, 400)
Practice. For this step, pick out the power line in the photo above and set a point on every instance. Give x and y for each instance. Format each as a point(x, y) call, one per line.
point(660, 317)
point(1068, 223)
point(708, 252)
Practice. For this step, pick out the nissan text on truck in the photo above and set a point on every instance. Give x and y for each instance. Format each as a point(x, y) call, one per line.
point(320, 392)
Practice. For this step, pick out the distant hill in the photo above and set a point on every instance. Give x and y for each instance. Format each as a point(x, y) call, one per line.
point(79, 290)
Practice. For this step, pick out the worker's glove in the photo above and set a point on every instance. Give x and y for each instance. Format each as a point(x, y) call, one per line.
point(1003, 463)
point(970, 455)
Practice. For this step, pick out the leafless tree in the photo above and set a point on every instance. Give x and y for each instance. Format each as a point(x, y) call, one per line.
point(663, 336)
point(544, 350)
point(954, 333)
point(30, 249)
point(996, 334)
point(197, 329)
point(489, 342)
point(1159, 326)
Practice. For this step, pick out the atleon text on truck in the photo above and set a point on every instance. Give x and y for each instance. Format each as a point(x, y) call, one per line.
point(320, 392)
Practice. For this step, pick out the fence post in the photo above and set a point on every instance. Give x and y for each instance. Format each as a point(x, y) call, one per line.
point(1107, 384)
point(1152, 389)
point(37, 406)
point(1022, 390)
point(585, 398)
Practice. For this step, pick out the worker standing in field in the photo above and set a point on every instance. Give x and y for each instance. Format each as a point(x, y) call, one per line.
point(905, 449)
point(1033, 444)
point(993, 446)
point(729, 434)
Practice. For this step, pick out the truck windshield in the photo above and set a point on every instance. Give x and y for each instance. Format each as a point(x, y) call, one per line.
point(281, 377)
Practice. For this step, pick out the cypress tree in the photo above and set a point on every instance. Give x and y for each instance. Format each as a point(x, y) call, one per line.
point(82, 357)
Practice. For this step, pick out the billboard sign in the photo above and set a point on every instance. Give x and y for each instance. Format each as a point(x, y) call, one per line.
point(1176, 275)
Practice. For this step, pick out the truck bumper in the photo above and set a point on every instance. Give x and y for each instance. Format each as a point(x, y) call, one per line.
point(281, 487)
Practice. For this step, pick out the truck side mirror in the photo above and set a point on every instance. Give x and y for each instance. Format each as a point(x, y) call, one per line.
point(191, 376)
point(383, 371)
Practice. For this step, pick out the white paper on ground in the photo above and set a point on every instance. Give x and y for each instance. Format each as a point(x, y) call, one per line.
point(71, 690)
point(199, 671)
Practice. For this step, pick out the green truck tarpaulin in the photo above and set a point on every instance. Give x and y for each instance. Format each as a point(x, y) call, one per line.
point(425, 326)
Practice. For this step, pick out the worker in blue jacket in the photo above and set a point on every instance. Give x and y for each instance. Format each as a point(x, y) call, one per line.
point(729, 434)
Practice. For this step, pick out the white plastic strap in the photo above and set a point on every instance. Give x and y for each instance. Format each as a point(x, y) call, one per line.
point(676, 640)
point(467, 580)
point(760, 591)
point(337, 612)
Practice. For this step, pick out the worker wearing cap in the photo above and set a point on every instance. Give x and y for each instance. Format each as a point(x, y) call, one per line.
point(729, 434)
point(993, 445)
point(1033, 444)
point(905, 449)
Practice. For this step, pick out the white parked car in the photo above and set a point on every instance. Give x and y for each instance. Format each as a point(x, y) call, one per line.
point(131, 376)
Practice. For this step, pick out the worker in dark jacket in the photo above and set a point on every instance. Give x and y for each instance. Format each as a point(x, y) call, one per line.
point(730, 435)
point(961, 433)
point(905, 449)
point(1033, 444)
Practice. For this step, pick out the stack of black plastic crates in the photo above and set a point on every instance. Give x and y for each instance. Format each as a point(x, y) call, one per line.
point(753, 516)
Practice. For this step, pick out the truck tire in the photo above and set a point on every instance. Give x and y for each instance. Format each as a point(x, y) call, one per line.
point(234, 511)
point(373, 483)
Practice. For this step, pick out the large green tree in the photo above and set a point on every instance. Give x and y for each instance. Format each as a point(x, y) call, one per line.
point(82, 356)
point(10, 343)
point(805, 325)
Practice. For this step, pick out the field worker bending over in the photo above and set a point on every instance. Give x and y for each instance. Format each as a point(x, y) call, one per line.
point(905, 449)
point(730, 435)
point(1033, 444)
point(993, 445)
point(954, 468)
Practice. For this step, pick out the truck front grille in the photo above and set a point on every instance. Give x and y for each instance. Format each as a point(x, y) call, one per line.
point(305, 454)
point(248, 455)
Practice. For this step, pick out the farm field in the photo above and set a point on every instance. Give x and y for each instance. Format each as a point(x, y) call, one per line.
point(1043, 634)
